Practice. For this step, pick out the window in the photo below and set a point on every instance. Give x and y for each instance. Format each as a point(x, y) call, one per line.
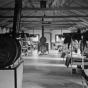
point(35, 38)
point(59, 38)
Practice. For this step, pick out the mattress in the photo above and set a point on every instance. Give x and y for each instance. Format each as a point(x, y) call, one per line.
point(75, 58)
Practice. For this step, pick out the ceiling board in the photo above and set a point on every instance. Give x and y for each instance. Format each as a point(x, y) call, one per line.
point(4, 3)
point(82, 2)
point(63, 11)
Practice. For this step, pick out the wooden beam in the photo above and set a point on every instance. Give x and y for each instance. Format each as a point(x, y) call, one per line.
point(50, 21)
point(55, 8)
point(60, 28)
point(38, 25)
point(58, 8)
point(70, 16)
point(17, 16)
point(56, 27)
point(48, 24)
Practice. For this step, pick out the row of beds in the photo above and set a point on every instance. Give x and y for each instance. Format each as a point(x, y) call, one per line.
point(80, 61)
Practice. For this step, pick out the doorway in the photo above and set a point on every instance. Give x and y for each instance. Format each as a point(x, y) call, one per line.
point(48, 37)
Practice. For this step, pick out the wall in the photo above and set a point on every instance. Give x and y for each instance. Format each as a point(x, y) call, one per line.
point(53, 32)
point(34, 32)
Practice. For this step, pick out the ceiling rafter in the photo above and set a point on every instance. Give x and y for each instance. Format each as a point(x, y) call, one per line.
point(70, 3)
point(70, 16)
point(78, 23)
point(78, 4)
point(50, 24)
point(63, 14)
point(51, 21)
point(7, 4)
point(76, 12)
point(55, 8)
point(51, 3)
point(66, 18)
point(31, 3)
point(45, 28)
point(33, 7)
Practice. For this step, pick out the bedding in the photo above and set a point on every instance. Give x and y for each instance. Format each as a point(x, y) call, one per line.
point(75, 58)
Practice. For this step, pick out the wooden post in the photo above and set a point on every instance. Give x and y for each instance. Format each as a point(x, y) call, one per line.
point(17, 16)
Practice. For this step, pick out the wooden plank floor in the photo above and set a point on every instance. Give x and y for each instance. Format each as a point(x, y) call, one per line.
point(48, 71)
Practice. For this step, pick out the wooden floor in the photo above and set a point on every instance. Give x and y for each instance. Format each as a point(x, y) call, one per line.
point(48, 71)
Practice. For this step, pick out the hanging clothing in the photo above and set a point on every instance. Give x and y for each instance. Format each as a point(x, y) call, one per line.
point(85, 52)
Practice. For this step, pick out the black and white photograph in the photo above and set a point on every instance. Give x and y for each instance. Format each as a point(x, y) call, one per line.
point(43, 43)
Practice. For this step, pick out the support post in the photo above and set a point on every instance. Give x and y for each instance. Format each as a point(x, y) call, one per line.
point(42, 28)
point(17, 16)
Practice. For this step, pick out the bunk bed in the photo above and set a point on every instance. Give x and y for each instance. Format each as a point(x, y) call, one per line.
point(85, 69)
point(75, 59)
point(80, 59)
